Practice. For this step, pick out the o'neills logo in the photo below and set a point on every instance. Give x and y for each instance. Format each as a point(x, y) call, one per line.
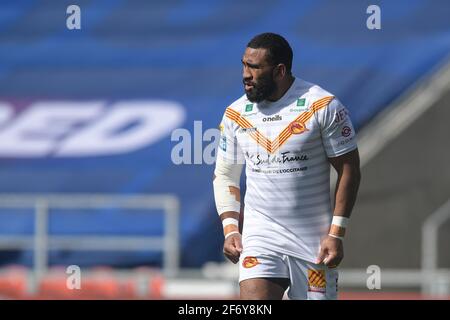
point(250, 262)
point(298, 127)
point(274, 118)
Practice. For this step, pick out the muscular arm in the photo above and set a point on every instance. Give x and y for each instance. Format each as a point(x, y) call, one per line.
point(349, 176)
point(228, 202)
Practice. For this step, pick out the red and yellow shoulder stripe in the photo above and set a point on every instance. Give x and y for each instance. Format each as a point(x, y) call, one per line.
point(297, 126)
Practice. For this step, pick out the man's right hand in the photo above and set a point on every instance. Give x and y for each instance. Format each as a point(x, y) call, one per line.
point(232, 247)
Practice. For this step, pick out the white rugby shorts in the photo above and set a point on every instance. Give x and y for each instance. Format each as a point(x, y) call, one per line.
point(308, 281)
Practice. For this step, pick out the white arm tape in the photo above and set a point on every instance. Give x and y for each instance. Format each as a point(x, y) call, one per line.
point(340, 221)
point(231, 233)
point(227, 175)
point(337, 237)
point(228, 221)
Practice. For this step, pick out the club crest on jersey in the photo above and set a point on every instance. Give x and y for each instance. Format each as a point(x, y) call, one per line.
point(298, 127)
point(317, 281)
point(250, 262)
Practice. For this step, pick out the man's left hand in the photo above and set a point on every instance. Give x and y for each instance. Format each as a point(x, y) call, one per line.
point(331, 252)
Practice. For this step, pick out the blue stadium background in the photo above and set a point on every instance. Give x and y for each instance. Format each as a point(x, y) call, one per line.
point(188, 52)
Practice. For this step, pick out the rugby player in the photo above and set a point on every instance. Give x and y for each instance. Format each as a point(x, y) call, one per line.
point(287, 132)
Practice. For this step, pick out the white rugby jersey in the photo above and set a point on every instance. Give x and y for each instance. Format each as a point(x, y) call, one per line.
point(285, 145)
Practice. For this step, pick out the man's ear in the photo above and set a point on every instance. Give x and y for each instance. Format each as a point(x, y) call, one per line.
point(280, 71)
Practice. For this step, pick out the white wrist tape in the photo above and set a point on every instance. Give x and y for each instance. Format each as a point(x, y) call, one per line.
point(228, 221)
point(340, 221)
point(231, 233)
point(338, 225)
point(227, 177)
point(230, 226)
point(334, 236)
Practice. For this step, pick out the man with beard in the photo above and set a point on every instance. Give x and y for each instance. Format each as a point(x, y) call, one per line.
point(287, 132)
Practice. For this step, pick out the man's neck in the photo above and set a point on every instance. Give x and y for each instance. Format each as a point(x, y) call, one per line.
point(282, 89)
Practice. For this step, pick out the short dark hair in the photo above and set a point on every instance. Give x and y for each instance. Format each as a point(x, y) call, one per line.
point(278, 49)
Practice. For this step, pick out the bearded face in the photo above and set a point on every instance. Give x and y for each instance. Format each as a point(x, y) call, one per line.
point(261, 88)
point(258, 75)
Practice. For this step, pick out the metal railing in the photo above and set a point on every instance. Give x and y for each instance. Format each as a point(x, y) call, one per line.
point(42, 241)
point(435, 281)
